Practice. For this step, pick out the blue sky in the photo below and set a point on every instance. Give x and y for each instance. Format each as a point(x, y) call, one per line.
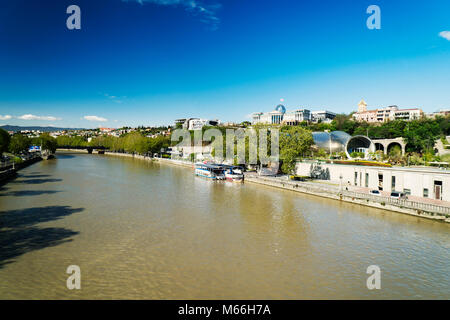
point(149, 62)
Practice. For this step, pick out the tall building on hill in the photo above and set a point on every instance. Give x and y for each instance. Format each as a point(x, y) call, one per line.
point(385, 114)
point(362, 106)
point(291, 118)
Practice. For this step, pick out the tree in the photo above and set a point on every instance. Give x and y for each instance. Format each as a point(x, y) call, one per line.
point(343, 122)
point(294, 143)
point(46, 142)
point(19, 143)
point(135, 142)
point(4, 141)
point(421, 134)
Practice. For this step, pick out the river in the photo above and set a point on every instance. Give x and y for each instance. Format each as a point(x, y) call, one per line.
point(145, 230)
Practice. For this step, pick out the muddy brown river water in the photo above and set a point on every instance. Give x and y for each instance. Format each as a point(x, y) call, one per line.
point(142, 230)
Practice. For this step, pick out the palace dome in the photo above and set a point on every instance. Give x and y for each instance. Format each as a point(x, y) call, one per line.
point(280, 108)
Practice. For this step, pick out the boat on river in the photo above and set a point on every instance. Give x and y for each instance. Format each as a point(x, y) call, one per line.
point(210, 171)
point(233, 173)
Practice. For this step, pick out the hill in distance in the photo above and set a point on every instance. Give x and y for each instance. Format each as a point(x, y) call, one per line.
point(42, 129)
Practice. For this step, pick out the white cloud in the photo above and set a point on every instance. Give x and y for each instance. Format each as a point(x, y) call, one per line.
point(5, 117)
point(33, 117)
point(445, 35)
point(205, 12)
point(114, 98)
point(95, 118)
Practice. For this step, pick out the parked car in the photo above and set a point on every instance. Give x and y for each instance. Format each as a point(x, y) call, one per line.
point(398, 195)
point(297, 178)
point(375, 192)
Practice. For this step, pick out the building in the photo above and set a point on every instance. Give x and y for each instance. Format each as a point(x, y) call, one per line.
point(381, 115)
point(440, 113)
point(406, 114)
point(322, 116)
point(339, 141)
point(417, 182)
point(273, 117)
point(196, 123)
point(295, 117)
point(179, 122)
point(292, 118)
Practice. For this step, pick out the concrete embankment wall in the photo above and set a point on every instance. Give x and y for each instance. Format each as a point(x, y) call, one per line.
point(160, 160)
point(321, 192)
point(73, 150)
point(136, 156)
point(6, 175)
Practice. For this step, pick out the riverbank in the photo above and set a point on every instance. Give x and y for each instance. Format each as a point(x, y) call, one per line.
point(185, 164)
point(427, 211)
point(422, 210)
point(9, 174)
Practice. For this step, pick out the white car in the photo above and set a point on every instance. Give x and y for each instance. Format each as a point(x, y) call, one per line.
point(398, 195)
point(375, 192)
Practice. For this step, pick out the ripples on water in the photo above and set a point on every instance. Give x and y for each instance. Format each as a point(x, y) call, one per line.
point(142, 230)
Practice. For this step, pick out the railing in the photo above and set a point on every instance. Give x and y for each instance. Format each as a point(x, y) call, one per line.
point(5, 164)
point(9, 164)
point(296, 185)
point(334, 190)
point(429, 207)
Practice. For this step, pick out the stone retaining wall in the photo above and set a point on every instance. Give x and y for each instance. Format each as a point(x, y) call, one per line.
point(323, 192)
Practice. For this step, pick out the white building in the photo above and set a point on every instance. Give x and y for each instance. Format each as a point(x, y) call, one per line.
point(440, 113)
point(295, 117)
point(384, 114)
point(406, 114)
point(281, 116)
point(419, 182)
point(273, 117)
point(196, 123)
point(322, 116)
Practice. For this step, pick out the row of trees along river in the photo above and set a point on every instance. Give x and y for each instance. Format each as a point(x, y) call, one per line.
point(295, 141)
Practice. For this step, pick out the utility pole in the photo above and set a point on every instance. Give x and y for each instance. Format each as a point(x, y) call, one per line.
point(330, 145)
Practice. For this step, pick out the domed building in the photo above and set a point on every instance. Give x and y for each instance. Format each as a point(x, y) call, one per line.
point(280, 108)
point(281, 116)
point(340, 141)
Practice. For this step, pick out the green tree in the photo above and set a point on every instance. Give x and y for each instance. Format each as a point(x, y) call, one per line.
point(421, 134)
point(19, 143)
point(4, 141)
point(343, 122)
point(294, 143)
point(46, 142)
point(133, 142)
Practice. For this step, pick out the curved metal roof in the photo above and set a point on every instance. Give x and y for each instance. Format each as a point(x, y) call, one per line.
point(338, 141)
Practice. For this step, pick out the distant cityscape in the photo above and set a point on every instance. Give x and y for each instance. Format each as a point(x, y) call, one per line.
point(279, 116)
